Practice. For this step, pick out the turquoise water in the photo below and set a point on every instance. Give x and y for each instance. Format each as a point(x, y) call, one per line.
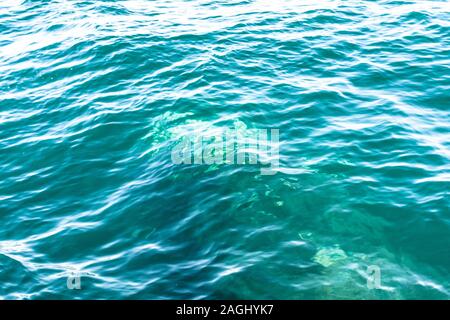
point(92, 92)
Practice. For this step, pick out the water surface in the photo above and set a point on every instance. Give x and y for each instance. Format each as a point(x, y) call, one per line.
point(91, 93)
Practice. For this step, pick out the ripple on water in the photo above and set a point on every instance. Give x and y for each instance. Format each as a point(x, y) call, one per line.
point(94, 96)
